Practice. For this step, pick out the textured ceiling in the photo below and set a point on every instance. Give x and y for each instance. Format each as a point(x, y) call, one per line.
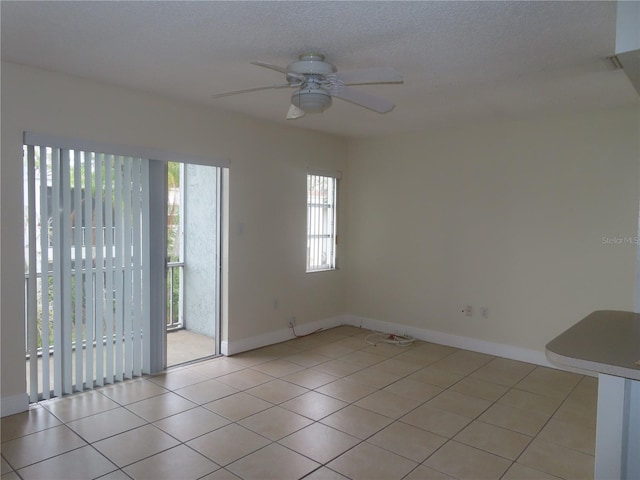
point(462, 62)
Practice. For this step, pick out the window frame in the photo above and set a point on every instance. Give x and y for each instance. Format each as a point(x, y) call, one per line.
point(329, 223)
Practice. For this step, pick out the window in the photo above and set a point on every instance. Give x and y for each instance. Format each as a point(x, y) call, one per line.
point(321, 221)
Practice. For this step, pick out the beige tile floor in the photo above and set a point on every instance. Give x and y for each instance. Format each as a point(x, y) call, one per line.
point(326, 406)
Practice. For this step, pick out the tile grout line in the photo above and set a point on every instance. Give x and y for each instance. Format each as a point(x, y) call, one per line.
point(274, 376)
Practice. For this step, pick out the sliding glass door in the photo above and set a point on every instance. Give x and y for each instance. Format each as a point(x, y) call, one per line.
point(119, 250)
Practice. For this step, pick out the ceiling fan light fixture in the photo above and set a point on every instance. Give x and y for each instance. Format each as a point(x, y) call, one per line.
point(314, 100)
point(294, 113)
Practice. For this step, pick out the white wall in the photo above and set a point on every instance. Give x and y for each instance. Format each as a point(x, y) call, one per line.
point(505, 216)
point(267, 196)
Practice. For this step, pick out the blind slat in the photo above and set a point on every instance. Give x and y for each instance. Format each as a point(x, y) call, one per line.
point(32, 287)
point(78, 267)
point(136, 265)
point(57, 275)
point(99, 269)
point(65, 242)
point(88, 268)
point(118, 259)
point(128, 271)
point(146, 271)
point(44, 269)
point(109, 266)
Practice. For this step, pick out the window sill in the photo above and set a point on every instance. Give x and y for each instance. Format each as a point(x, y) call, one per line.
point(328, 269)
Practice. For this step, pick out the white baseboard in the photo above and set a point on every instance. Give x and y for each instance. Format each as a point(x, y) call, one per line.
point(13, 404)
point(457, 341)
point(249, 343)
point(467, 343)
point(535, 357)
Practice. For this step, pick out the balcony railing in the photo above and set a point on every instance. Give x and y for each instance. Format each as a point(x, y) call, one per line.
point(175, 311)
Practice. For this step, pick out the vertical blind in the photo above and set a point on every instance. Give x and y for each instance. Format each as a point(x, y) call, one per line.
point(321, 221)
point(87, 275)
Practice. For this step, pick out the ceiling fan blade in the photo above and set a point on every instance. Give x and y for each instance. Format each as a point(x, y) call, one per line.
point(272, 67)
point(363, 99)
point(247, 90)
point(368, 75)
point(277, 68)
point(294, 112)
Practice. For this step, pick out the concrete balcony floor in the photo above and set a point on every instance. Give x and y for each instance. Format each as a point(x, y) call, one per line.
point(185, 346)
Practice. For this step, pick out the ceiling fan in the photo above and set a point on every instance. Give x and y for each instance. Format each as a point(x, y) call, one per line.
point(317, 81)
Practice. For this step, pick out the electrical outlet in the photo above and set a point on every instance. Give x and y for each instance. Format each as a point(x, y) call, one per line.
point(484, 312)
point(292, 322)
point(468, 311)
